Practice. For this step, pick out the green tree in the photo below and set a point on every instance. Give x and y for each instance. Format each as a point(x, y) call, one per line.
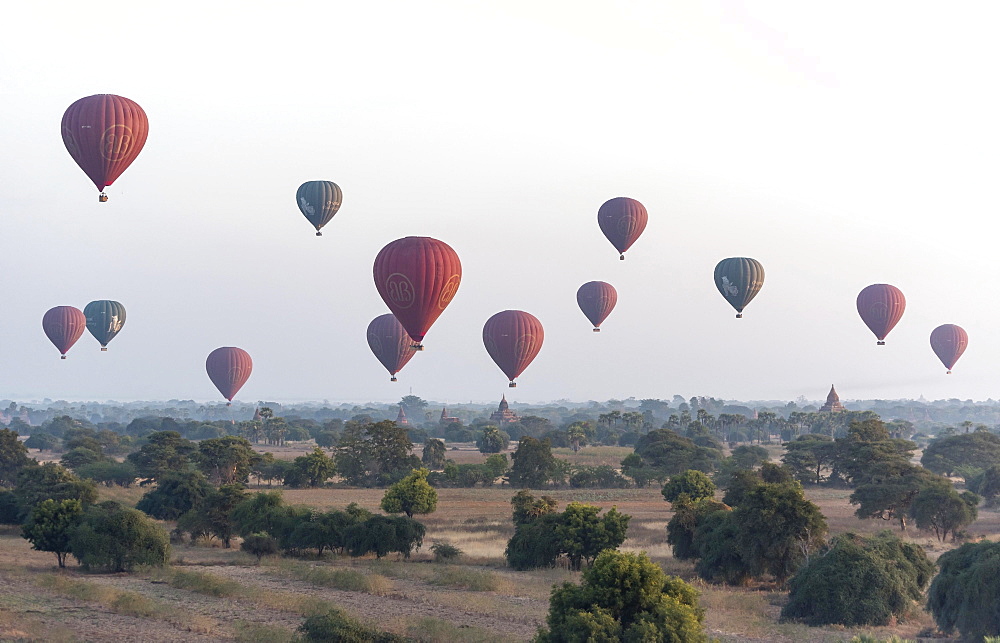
point(533, 465)
point(579, 533)
point(624, 597)
point(164, 452)
point(42, 442)
point(50, 482)
point(492, 440)
point(579, 434)
point(808, 456)
point(860, 581)
point(987, 485)
point(109, 473)
point(890, 497)
point(50, 525)
point(213, 515)
point(695, 485)
point(966, 591)
point(375, 454)
point(411, 495)
point(259, 512)
point(174, 495)
point(939, 507)
point(226, 460)
point(13, 457)
point(311, 470)
point(433, 454)
point(259, 545)
point(80, 456)
point(527, 507)
point(117, 539)
point(979, 449)
point(671, 453)
point(585, 534)
point(381, 535)
point(688, 515)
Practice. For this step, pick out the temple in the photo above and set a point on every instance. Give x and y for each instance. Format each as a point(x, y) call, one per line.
point(503, 414)
point(833, 404)
point(401, 417)
point(447, 419)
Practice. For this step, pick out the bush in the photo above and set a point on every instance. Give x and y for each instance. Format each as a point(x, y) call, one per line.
point(336, 625)
point(859, 581)
point(445, 552)
point(682, 527)
point(118, 538)
point(381, 535)
point(965, 595)
point(259, 545)
point(693, 484)
point(601, 477)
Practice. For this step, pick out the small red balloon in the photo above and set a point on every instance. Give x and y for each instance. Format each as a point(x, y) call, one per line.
point(881, 306)
point(622, 220)
point(63, 325)
point(229, 369)
point(513, 339)
point(390, 343)
point(597, 299)
point(948, 342)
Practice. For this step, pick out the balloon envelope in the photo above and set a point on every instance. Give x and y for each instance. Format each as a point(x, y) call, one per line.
point(104, 133)
point(739, 279)
point(948, 342)
point(417, 278)
point(881, 306)
point(63, 325)
point(622, 220)
point(513, 339)
point(597, 299)
point(229, 369)
point(390, 343)
point(104, 319)
point(319, 201)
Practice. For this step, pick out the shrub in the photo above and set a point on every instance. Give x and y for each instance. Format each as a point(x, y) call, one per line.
point(381, 535)
point(336, 625)
point(445, 552)
point(260, 545)
point(118, 538)
point(965, 595)
point(682, 527)
point(693, 484)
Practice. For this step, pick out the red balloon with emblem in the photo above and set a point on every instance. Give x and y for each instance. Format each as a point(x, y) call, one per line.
point(229, 369)
point(63, 325)
point(417, 278)
point(390, 343)
point(104, 133)
point(622, 220)
point(597, 299)
point(881, 307)
point(948, 342)
point(513, 339)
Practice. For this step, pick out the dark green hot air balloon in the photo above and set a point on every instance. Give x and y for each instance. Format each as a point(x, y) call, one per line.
point(104, 319)
point(319, 201)
point(739, 280)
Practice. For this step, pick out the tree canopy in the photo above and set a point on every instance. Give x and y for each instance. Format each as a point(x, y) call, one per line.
point(965, 593)
point(411, 495)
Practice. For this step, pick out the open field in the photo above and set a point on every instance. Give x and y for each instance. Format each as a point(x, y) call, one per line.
point(214, 594)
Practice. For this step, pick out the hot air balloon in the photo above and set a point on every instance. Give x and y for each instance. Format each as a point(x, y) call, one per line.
point(513, 338)
point(881, 306)
point(319, 201)
point(597, 299)
point(104, 133)
point(622, 220)
point(392, 346)
point(104, 319)
point(63, 325)
point(739, 280)
point(949, 342)
point(229, 369)
point(417, 278)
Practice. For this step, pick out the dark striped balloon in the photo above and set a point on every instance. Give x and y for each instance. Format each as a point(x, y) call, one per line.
point(622, 220)
point(881, 307)
point(63, 325)
point(229, 369)
point(597, 299)
point(739, 279)
point(105, 319)
point(104, 133)
point(319, 201)
point(390, 343)
point(513, 339)
point(948, 342)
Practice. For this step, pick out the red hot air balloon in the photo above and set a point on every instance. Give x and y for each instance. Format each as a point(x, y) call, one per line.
point(392, 346)
point(229, 369)
point(104, 133)
point(417, 278)
point(622, 220)
point(597, 299)
point(63, 325)
point(881, 306)
point(949, 342)
point(513, 338)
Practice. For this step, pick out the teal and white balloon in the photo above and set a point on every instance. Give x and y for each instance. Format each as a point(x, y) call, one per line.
point(105, 319)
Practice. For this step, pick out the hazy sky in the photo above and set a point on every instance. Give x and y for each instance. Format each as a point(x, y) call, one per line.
point(840, 144)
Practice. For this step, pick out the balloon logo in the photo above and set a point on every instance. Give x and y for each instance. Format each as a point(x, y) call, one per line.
point(400, 290)
point(881, 307)
point(948, 342)
point(449, 290)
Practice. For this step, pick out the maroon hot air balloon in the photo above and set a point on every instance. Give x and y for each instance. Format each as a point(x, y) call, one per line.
point(229, 369)
point(597, 299)
point(949, 342)
point(881, 306)
point(104, 133)
point(391, 344)
point(513, 338)
point(63, 325)
point(622, 220)
point(417, 277)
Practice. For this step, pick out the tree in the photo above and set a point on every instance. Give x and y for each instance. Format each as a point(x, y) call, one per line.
point(174, 495)
point(527, 507)
point(80, 456)
point(688, 515)
point(42, 441)
point(579, 533)
point(164, 452)
point(672, 453)
point(695, 485)
point(860, 581)
point(375, 454)
point(311, 470)
point(889, 498)
point(109, 473)
point(579, 433)
point(260, 512)
point(117, 538)
point(411, 495)
point(533, 465)
point(226, 460)
point(987, 485)
point(942, 509)
point(50, 525)
point(13, 457)
point(979, 449)
point(50, 481)
point(809, 455)
point(433, 455)
point(381, 535)
point(213, 515)
point(492, 440)
point(624, 597)
point(259, 545)
point(413, 402)
point(585, 534)
point(966, 591)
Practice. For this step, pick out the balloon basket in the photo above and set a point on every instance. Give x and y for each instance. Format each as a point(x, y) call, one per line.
point(739, 315)
point(621, 257)
point(102, 197)
point(880, 343)
point(948, 373)
point(597, 330)
point(417, 347)
point(104, 349)
point(62, 357)
point(319, 234)
point(229, 403)
point(512, 385)
point(393, 379)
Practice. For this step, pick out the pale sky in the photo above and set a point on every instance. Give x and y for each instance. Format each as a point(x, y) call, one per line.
point(840, 144)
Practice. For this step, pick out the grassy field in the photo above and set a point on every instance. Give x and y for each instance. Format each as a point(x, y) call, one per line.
point(215, 594)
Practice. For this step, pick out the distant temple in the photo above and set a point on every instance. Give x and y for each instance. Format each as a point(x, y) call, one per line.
point(447, 419)
point(833, 404)
point(503, 414)
point(257, 417)
point(401, 417)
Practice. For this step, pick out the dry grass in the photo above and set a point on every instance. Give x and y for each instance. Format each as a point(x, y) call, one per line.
point(349, 580)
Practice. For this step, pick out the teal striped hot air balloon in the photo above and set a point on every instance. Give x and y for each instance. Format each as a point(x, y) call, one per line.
point(319, 201)
point(105, 319)
point(739, 280)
